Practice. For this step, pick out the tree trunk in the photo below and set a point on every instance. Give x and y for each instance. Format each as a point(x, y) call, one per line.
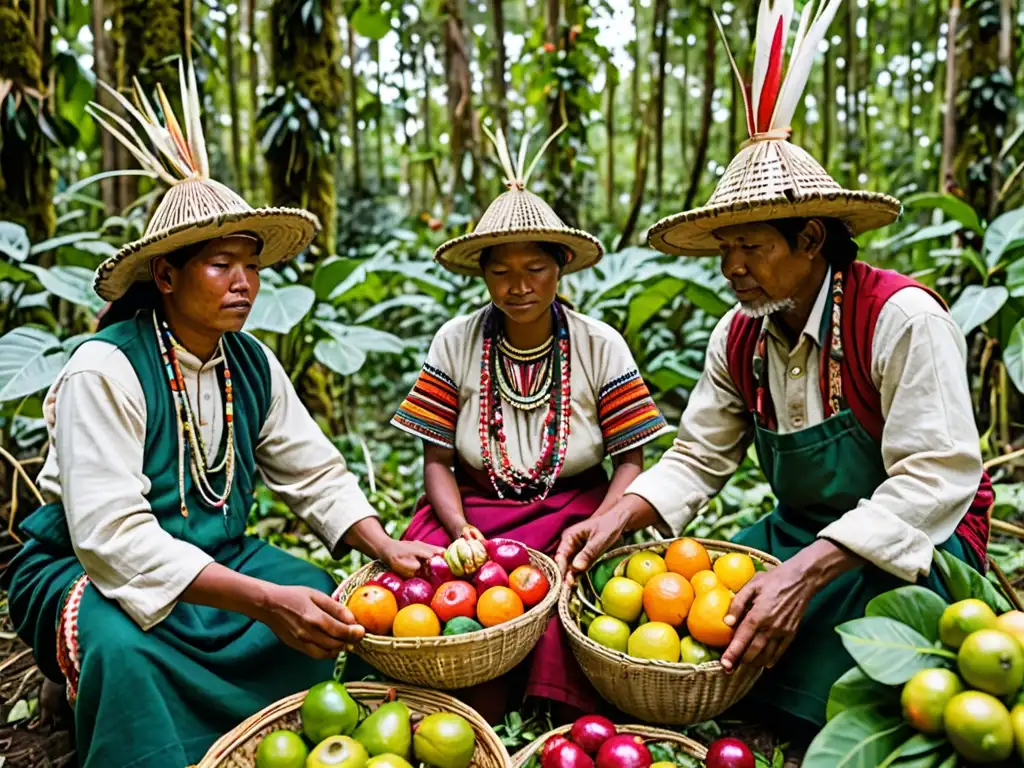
point(643, 144)
point(911, 37)
point(301, 175)
point(826, 109)
point(684, 98)
point(380, 118)
point(946, 180)
point(353, 111)
point(659, 42)
point(254, 80)
point(500, 89)
point(236, 128)
point(705, 121)
point(460, 96)
point(612, 79)
point(852, 139)
point(637, 64)
point(102, 52)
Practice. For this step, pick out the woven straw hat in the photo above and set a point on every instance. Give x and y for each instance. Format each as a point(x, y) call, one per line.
point(771, 178)
point(195, 208)
point(518, 216)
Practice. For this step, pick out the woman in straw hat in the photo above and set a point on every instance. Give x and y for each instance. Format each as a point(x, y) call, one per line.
point(849, 380)
point(138, 585)
point(519, 402)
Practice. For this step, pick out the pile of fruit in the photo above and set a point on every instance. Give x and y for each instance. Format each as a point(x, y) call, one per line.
point(339, 732)
point(475, 584)
point(595, 742)
point(670, 608)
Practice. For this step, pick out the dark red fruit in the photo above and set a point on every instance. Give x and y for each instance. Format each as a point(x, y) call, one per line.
point(436, 571)
point(551, 744)
point(729, 753)
point(566, 755)
point(591, 732)
point(624, 751)
point(415, 591)
point(490, 575)
point(390, 581)
point(508, 554)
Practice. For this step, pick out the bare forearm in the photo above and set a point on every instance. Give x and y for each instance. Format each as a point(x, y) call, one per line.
point(369, 537)
point(442, 490)
point(628, 467)
point(824, 561)
point(220, 587)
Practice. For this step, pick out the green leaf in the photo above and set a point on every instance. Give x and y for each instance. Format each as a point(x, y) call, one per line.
point(371, 23)
point(56, 242)
point(977, 305)
point(888, 651)
point(19, 711)
point(74, 284)
point(1013, 356)
point(649, 301)
point(331, 273)
point(10, 273)
point(14, 242)
point(857, 738)
point(30, 359)
point(602, 573)
point(426, 305)
point(1015, 278)
point(964, 582)
point(339, 357)
point(1000, 233)
point(945, 229)
point(919, 751)
point(915, 606)
point(952, 206)
point(280, 309)
point(855, 689)
point(363, 337)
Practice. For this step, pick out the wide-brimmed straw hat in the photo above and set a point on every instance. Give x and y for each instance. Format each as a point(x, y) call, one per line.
point(195, 208)
point(772, 178)
point(518, 216)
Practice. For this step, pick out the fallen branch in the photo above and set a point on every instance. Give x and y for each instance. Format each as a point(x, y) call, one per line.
point(1011, 593)
point(21, 471)
point(14, 660)
point(1018, 454)
point(1001, 526)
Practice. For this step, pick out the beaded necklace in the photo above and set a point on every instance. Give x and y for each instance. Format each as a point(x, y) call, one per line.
point(524, 375)
point(506, 479)
point(832, 355)
point(200, 466)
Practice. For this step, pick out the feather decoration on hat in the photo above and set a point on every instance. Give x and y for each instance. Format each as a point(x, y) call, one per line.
point(517, 175)
point(178, 156)
point(775, 89)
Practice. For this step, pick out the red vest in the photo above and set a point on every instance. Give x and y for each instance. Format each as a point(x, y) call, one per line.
point(865, 291)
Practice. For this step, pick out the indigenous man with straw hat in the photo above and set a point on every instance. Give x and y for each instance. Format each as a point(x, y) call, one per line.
point(849, 380)
point(138, 586)
point(518, 404)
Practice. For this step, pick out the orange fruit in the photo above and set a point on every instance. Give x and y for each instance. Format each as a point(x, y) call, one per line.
point(704, 581)
point(498, 605)
point(374, 607)
point(734, 570)
point(686, 557)
point(667, 598)
point(416, 620)
point(706, 619)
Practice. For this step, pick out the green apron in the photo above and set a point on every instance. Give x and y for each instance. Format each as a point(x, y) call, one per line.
point(818, 474)
point(160, 698)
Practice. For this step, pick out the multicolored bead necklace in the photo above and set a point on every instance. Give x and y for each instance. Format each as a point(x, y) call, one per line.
point(524, 375)
point(506, 479)
point(200, 466)
point(832, 354)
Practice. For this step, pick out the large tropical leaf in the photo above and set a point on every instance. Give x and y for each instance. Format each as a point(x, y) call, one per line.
point(331, 273)
point(858, 738)
point(339, 357)
point(280, 309)
point(977, 305)
point(951, 205)
point(855, 689)
point(1013, 356)
point(964, 582)
point(362, 337)
point(56, 242)
point(426, 305)
point(371, 23)
point(889, 651)
point(14, 242)
point(915, 606)
point(74, 284)
point(919, 751)
point(30, 359)
point(924, 234)
point(1003, 231)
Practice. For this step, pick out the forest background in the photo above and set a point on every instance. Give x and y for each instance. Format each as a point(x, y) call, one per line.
point(370, 113)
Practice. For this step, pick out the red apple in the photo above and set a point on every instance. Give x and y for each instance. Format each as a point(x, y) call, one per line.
point(415, 591)
point(729, 753)
point(591, 732)
point(623, 752)
point(508, 554)
point(490, 575)
point(552, 744)
point(389, 580)
point(436, 571)
point(566, 755)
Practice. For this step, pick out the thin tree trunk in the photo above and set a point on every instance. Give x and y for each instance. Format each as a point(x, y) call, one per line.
point(236, 128)
point(705, 121)
point(643, 144)
point(109, 189)
point(500, 90)
point(852, 152)
point(459, 93)
point(946, 179)
point(353, 86)
point(911, 36)
point(684, 98)
point(254, 80)
point(659, 41)
point(380, 117)
point(612, 78)
point(826, 108)
point(637, 63)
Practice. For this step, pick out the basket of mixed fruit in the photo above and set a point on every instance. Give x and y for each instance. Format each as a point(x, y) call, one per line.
point(470, 616)
point(646, 624)
point(361, 725)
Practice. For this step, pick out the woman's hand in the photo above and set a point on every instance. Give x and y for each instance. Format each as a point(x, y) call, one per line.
point(406, 557)
point(471, 532)
point(769, 609)
point(309, 621)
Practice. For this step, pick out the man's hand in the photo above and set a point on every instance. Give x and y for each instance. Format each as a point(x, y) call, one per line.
point(406, 557)
point(767, 612)
point(588, 539)
point(309, 621)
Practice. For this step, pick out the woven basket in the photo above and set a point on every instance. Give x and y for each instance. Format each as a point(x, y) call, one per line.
point(656, 691)
point(237, 748)
point(459, 661)
point(688, 745)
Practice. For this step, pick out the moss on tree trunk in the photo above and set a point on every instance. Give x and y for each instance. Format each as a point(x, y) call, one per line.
point(301, 175)
point(26, 174)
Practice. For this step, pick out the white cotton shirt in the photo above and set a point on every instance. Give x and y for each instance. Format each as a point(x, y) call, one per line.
point(96, 417)
point(929, 445)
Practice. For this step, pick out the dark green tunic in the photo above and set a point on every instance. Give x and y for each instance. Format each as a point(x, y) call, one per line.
point(159, 698)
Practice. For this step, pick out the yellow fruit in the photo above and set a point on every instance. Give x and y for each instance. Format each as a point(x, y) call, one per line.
point(979, 728)
point(643, 566)
point(655, 640)
point(704, 581)
point(734, 570)
point(1017, 723)
point(706, 619)
point(609, 632)
point(281, 749)
point(925, 697)
point(692, 652)
point(622, 598)
point(991, 661)
point(962, 618)
point(416, 621)
point(1012, 623)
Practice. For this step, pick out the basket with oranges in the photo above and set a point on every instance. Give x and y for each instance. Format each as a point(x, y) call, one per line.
point(468, 617)
point(646, 624)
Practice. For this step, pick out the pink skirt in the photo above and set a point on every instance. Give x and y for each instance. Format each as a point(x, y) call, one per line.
point(550, 671)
